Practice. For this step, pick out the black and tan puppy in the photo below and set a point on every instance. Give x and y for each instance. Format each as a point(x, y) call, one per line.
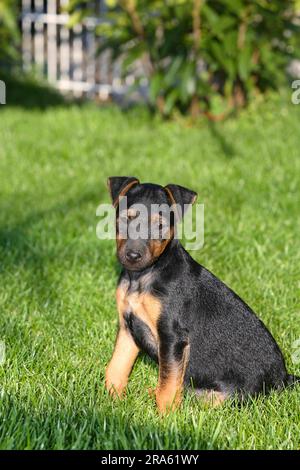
point(197, 329)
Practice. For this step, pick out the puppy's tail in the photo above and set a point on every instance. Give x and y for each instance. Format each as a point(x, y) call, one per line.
point(292, 380)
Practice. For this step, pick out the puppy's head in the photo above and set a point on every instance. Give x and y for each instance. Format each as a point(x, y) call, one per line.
point(146, 215)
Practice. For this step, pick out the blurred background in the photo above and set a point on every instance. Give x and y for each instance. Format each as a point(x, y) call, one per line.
point(191, 56)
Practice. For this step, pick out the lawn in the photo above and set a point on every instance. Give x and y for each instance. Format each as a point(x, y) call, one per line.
point(58, 316)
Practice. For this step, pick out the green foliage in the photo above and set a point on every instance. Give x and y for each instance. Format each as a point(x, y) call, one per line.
point(193, 50)
point(9, 34)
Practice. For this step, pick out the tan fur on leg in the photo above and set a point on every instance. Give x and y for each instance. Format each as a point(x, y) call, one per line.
point(121, 363)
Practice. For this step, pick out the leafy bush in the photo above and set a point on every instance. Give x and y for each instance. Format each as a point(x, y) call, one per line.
point(195, 53)
point(9, 34)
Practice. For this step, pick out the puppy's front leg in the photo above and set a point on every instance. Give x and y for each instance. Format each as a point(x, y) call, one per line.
point(121, 363)
point(173, 359)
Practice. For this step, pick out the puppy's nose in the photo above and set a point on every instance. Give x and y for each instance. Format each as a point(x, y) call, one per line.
point(133, 255)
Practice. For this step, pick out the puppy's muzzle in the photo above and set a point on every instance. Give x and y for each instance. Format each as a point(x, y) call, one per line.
point(133, 256)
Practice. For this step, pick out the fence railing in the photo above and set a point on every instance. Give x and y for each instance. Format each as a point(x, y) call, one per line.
point(67, 56)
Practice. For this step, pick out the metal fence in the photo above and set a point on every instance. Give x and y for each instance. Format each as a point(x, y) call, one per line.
point(67, 56)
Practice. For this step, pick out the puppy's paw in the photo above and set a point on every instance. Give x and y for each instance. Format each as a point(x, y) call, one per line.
point(167, 403)
point(115, 386)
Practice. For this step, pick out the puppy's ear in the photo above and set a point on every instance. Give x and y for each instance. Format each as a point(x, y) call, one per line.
point(182, 197)
point(119, 185)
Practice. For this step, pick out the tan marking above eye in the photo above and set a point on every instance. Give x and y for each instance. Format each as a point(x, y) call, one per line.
point(160, 227)
point(159, 219)
point(129, 214)
point(156, 218)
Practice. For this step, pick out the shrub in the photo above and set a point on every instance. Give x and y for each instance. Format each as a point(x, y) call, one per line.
point(9, 34)
point(197, 52)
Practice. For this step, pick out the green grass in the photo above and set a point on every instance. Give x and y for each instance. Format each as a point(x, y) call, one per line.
point(58, 317)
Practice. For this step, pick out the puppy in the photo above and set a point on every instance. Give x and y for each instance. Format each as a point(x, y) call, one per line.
point(196, 328)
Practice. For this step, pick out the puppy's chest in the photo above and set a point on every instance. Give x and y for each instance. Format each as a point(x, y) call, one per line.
point(132, 299)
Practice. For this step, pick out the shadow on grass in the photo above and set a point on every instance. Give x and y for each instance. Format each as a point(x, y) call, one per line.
point(24, 248)
point(89, 427)
point(26, 92)
point(226, 147)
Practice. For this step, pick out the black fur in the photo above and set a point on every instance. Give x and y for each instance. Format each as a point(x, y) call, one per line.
point(231, 350)
point(142, 335)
